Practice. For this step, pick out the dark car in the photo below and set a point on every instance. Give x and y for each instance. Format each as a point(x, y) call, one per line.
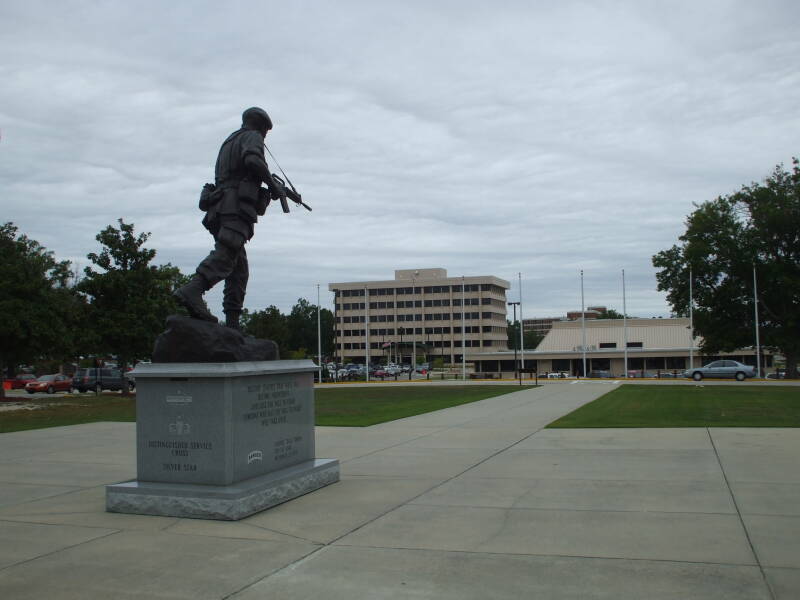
point(600, 375)
point(97, 380)
point(50, 384)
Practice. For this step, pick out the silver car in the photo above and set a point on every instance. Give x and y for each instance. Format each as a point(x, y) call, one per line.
point(721, 369)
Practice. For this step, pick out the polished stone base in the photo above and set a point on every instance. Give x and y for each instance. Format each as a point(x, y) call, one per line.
point(227, 503)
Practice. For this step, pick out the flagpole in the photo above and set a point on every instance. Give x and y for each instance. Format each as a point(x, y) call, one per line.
point(319, 338)
point(463, 336)
point(521, 330)
point(755, 308)
point(625, 323)
point(691, 323)
point(583, 327)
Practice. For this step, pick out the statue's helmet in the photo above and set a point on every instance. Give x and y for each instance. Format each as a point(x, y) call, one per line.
point(257, 118)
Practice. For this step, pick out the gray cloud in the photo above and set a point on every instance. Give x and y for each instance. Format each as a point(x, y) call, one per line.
point(539, 138)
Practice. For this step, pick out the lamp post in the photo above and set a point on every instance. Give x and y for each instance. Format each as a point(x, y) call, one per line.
point(583, 327)
point(515, 304)
point(319, 339)
point(413, 331)
point(755, 316)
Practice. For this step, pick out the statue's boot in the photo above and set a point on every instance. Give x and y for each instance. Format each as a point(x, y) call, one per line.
point(190, 296)
point(232, 319)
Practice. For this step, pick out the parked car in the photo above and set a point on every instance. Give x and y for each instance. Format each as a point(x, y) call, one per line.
point(97, 380)
point(18, 382)
point(600, 375)
point(423, 368)
point(721, 369)
point(778, 374)
point(50, 384)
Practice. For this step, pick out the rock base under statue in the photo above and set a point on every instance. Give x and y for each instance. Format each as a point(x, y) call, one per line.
point(227, 503)
point(188, 340)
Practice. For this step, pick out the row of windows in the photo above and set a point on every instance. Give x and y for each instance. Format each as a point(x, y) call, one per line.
point(416, 331)
point(432, 289)
point(614, 345)
point(419, 303)
point(353, 306)
point(418, 317)
point(436, 344)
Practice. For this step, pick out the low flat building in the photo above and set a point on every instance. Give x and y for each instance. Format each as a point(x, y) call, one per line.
point(419, 312)
point(653, 346)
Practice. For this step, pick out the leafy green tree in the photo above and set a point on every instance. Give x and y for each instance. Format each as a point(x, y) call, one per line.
point(302, 322)
point(129, 299)
point(611, 314)
point(295, 332)
point(531, 339)
point(268, 324)
point(725, 238)
point(39, 311)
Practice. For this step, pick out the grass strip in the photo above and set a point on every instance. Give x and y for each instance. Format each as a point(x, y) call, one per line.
point(338, 406)
point(57, 411)
point(689, 406)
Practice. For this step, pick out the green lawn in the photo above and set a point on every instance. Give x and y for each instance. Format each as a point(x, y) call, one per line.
point(61, 410)
point(342, 406)
point(689, 406)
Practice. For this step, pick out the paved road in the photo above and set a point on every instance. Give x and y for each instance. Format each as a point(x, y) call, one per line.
point(473, 502)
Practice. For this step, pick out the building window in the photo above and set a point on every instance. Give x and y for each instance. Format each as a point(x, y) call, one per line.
point(635, 345)
point(608, 344)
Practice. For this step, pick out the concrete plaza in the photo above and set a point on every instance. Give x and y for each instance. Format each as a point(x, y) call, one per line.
point(472, 502)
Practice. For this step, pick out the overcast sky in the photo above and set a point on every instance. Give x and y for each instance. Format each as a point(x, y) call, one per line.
point(484, 138)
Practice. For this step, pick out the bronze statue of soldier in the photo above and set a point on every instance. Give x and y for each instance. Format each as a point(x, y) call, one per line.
point(233, 204)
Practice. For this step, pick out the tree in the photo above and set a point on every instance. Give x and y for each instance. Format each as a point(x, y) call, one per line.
point(302, 322)
point(38, 309)
point(129, 298)
point(725, 239)
point(268, 324)
point(531, 339)
point(611, 314)
point(295, 332)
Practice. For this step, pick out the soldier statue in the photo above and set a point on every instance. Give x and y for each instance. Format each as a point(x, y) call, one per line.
point(233, 204)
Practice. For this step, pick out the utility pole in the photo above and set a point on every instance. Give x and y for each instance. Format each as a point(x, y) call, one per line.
point(691, 323)
point(755, 309)
point(625, 323)
point(516, 367)
point(319, 338)
point(521, 332)
point(583, 327)
point(463, 335)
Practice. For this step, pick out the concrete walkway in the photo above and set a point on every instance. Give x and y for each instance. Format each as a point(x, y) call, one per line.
point(472, 502)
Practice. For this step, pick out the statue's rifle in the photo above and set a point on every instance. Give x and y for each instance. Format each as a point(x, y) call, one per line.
point(291, 191)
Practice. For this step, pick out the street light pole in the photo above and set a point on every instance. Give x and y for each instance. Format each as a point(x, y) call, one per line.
point(366, 331)
point(583, 327)
point(755, 308)
point(414, 338)
point(625, 323)
point(516, 368)
point(521, 332)
point(463, 334)
point(319, 338)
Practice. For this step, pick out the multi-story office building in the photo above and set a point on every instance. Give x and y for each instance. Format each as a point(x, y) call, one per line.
point(419, 312)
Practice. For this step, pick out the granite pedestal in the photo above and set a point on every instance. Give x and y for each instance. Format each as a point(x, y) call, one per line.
point(222, 440)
